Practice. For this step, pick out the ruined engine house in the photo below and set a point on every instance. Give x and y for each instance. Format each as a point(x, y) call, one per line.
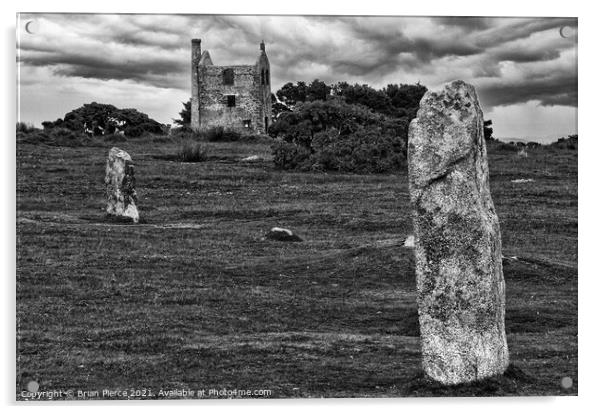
point(236, 97)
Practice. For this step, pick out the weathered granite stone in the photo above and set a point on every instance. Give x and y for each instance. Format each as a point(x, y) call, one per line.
point(120, 181)
point(461, 292)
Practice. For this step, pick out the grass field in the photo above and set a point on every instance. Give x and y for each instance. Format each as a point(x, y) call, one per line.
point(195, 298)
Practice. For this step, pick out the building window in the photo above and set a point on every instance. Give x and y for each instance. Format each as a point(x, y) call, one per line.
point(247, 123)
point(231, 101)
point(262, 77)
point(267, 77)
point(228, 76)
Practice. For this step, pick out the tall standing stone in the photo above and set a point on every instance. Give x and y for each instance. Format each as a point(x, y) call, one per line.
point(120, 181)
point(461, 292)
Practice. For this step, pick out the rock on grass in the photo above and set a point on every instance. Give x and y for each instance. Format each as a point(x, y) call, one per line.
point(280, 234)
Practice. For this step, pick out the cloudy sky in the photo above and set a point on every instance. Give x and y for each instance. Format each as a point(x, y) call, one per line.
point(525, 69)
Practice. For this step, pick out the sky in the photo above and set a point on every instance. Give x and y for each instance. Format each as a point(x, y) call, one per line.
point(524, 69)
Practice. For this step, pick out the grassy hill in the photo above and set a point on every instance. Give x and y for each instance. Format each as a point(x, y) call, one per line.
point(195, 298)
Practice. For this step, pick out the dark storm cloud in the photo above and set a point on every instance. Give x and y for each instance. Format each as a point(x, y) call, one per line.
point(125, 69)
point(520, 28)
point(150, 38)
point(165, 73)
point(558, 90)
point(511, 60)
point(423, 48)
point(467, 23)
point(522, 55)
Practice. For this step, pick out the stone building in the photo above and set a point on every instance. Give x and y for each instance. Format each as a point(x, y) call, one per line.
point(236, 97)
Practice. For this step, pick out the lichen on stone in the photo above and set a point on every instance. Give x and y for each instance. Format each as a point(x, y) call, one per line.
point(458, 245)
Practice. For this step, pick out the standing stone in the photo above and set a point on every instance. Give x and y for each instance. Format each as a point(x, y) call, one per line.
point(461, 292)
point(120, 181)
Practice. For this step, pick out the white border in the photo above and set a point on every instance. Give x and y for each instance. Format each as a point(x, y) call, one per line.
point(589, 183)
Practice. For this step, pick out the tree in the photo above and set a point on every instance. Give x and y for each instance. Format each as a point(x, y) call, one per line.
point(278, 108)
point(364, 95)
point(185, 115)
point(397, 101)
point(101, 119)
point(291, 94)
point(488, 130)
point(405, 99)
point(334, 135)
point(302, 112)
point(318, 91)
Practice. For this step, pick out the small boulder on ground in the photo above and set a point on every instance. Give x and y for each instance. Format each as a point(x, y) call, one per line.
point(251, 158)
point(280, 234)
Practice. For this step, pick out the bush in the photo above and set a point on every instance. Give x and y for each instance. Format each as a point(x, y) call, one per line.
point(185, 132)
point(162, 139)
point(59, 137)
point(501, 145)
point(364, 151)
point(533, 144)
point(215, 134)
point(102, 119)
point(336, 136)
point(570, 143)
point(25, 128)
point(288, 156)
point(114, 138)
point(191, 151)
point(220, 134)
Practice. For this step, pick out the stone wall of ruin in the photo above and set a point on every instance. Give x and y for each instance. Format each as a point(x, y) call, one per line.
point(213, 98)
point(209, 104)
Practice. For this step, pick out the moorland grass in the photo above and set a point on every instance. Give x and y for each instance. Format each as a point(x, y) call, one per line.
point(195, 296)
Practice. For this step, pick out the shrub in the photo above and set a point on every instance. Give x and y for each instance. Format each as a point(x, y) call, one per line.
point(571, 143)
point(288, 156)
point(191, 151)
point(59, 137)
point(501, 145)
point(185, 114)
point(364, 151)
point(215, 134)
point(396, 100)
point(336, 136)
point(307, 119)
point(114, 138)
point(67, 138)
point(162, 139)
point(134, 131)
point(25, 128)
point(184, 133)
point(102, 119)
point(220, 134)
